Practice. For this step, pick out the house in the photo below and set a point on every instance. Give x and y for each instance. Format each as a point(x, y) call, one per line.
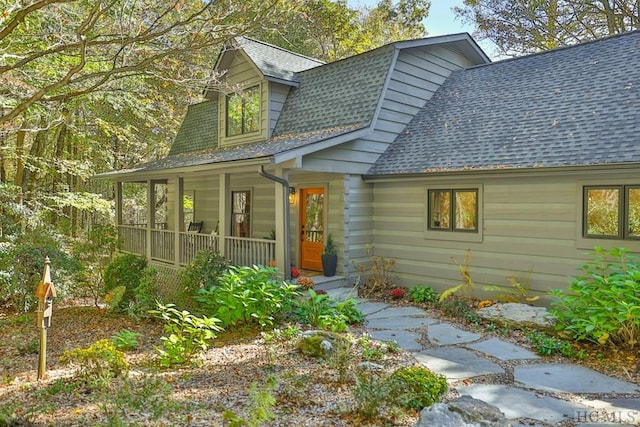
point(423, 150)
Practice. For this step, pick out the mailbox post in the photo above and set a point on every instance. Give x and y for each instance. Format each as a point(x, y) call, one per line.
point(45, 292)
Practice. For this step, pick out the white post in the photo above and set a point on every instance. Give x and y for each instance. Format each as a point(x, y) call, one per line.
point(224, 227)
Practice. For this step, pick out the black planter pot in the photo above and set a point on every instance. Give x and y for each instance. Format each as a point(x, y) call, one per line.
point(329, 264)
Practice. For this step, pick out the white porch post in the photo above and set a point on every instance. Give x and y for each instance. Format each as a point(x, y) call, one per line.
point(224, 227)
point(151, 214)
point(178, 221)
point(283, 260)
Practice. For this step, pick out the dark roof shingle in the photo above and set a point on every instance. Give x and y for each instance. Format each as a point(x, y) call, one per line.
point(572, 106)
point(199, 129)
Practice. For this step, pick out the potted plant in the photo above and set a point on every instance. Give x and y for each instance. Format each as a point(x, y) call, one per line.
point(329, 257)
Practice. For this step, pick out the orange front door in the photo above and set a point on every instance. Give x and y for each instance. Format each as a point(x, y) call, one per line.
point(311, 228)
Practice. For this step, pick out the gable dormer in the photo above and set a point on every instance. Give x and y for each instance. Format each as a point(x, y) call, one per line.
point(256, 79)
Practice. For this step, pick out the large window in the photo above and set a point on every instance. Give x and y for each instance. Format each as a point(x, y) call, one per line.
point(241, 214)
point(243, 112)
point(612, 212)
point(453, 210)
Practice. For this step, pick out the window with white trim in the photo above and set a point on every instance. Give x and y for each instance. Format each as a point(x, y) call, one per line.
point(243, 112)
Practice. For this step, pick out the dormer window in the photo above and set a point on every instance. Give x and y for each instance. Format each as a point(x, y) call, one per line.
point(243, 112)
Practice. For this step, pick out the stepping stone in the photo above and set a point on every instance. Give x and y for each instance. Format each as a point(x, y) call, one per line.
point(399, 323)
point(457, 363)
point(342, 294)
point(368, 308)
point(398, 311)
point(559, 377)
point(405, 339)
point(503, 350)
point(446, 334)
point(516, 403)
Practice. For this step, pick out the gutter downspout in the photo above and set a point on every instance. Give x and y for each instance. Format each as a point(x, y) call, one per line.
point(287, 219)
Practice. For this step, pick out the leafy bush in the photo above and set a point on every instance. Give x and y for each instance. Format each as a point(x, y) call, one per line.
point(189, 335)
point(98, 363)
point(125, 270)
point(323, 311)
point(21, 265)
point(145, 294)
point(125, 339)
point(423, 294)
point(460, 309)
point(203, 272)
point(246, 295)
point(603, 304)
point(94, 251)
point(416, 387)
point(547, 345)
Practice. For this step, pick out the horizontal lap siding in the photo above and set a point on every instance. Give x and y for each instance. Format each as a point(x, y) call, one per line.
point(417, 74)
point(529, 230)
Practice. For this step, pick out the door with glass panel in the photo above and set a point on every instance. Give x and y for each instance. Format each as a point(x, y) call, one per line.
point(311, 228)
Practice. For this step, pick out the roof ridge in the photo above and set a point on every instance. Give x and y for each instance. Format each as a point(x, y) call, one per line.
point(560, 48)
point(273, 46)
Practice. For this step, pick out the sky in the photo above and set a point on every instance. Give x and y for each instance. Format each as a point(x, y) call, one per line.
point(441, 19)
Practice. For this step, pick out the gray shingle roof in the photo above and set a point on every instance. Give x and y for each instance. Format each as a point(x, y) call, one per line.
point(340, 93)
point(273, 146)
point(275, 62)
point(567, 107)
point(199, 129)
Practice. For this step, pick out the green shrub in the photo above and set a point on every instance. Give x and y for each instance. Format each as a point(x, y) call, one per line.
point(248, 295)
point(98, 363)
point(603, 304)
point(370, 394)
point(461, 309)
point(22, 263)
point(325, 312)
point(125, 339)
point(547, 345)
point(188, 335)
point(125, 270)
point(416, 387)
point(145, 294)
point(423, 294)
point(202, 273)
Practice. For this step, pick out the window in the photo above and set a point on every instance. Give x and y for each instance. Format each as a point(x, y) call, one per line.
point(243, 112)
point(612, 212)
point(241, 214)
point(453, 210)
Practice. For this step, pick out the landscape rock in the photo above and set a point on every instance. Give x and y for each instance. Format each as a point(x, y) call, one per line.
point(515, 314)
point(464, 411)
point(319, 344)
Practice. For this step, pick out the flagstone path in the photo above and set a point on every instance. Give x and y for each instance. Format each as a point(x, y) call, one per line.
point(528, 389)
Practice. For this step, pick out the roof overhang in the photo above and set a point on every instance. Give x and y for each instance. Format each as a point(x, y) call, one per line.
point(462, 42)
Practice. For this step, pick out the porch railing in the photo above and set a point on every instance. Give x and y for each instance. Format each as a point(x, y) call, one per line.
point(239, 250)
point(246, 251)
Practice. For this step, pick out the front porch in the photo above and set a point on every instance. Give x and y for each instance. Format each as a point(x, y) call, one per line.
point(179, 248)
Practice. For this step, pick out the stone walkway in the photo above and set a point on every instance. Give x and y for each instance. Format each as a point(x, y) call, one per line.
point(541, 393)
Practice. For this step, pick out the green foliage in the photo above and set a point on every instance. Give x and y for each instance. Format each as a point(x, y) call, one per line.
point(603, 304)
point(94, 252)
point(547, 345)
point(113, 298)
point(518, 292)
point(374, 350)
point(22, 263)
point(416, 387)
point(32, 346)
point(460, 309)
point(188, 335)
point(125, 270)
point(99, 363)
point(423, 294)
point(203, 272)
point(248, 295)
point(145, 294)
point(467, 286)
point(261, 405)
point(330, 247)
point(325, 312)
point(370, 394)
point(125, 340)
